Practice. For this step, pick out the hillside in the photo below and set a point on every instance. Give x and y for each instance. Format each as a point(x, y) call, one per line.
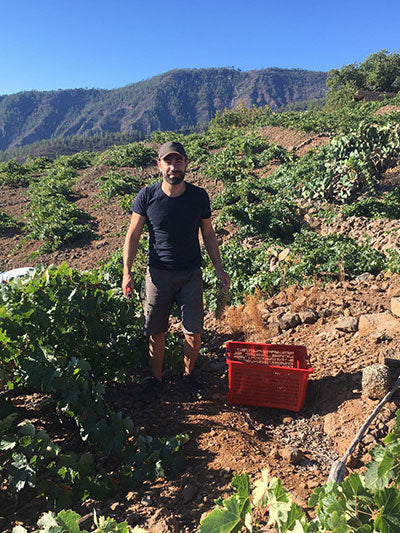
point(310, 236)
point(177, 100)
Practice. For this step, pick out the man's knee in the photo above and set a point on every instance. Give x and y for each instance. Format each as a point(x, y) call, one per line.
point(157, 338)
point(193, 339)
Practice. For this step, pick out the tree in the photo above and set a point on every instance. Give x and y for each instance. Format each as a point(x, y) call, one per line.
point(379, 72)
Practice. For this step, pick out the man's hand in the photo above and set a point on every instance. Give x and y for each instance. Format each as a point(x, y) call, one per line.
point(223, 278)
point(127, 285)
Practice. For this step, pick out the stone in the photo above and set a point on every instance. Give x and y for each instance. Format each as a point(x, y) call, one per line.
point(289, 320)
point(190, 491)
point(275, 453)
point(375, 381)
point(162, 521)
point(274, 329)
point(292, 454)
point(313, 483)
point(352, 461)
point(348, 324)
point(395, 306)
point(273, 263)
point(369, 439)
point(308, 316)
point(314, 223)
point(100, 244)
point(365, 276)
point(146, 500)
point(284, 254)
point(378, 323)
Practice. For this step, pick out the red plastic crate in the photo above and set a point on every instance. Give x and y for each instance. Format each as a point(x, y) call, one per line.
point(267, 375)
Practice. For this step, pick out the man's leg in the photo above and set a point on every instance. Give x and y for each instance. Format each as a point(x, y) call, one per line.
point(190, 302)
point(156, 352)
point(159, 300)
point(191, 347)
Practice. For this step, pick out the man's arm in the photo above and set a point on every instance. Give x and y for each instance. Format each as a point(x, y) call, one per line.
point(130, 249)
point(211, 244)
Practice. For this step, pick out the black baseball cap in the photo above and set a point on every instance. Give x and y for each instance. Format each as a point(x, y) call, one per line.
point(171, 148)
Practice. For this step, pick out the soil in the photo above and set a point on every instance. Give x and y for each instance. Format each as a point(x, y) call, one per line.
point(386, 109)
point(224, 438)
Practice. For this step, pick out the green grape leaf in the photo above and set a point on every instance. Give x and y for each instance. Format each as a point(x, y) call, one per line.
point(48, 523)
point(8, 443)
point(242, 485)
point(224, 520)
point(68, 520)
point(388, 503)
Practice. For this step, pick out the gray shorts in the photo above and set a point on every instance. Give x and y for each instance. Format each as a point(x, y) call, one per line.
point(163, 288)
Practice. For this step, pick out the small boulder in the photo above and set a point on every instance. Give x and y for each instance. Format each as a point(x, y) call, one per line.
point(274, 329)
point(308, 316)
point(378, 323)
point(289, 320)
point(190, 491)
point(314, 223)
point(375, 381)
point(395, 306)
point(273, 263)
point(292, 454)
point(365, 276)
point(348, 324)
point(162, 521)
point(284, 254)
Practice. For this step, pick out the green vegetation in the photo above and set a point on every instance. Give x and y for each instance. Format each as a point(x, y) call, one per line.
point(53, 218)
point(131, 155)
point(117, 184)
point(242, 154)
point(386, 207)
point(7, 221)
point(343, 169)
point(55, 147)
point(379, 72)
point(97, 341)
point(311, 256)
point(12, 173)
point(69, 522)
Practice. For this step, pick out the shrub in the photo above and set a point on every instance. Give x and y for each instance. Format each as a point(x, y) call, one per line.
point(116, 184)
point(387, 207)
point(13, 173)
point(130, 155)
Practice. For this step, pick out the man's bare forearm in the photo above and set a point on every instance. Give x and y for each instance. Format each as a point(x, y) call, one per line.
point(129, 252)
point(211, 245)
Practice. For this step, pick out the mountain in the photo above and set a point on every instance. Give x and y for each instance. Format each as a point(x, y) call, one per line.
point(176, 100)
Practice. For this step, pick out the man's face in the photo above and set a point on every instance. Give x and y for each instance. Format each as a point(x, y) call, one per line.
point(172, 168)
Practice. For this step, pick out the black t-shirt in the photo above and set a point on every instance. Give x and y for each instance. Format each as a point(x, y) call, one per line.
point(173, 224)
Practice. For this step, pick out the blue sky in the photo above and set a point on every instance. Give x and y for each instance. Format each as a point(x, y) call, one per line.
point(59, 44)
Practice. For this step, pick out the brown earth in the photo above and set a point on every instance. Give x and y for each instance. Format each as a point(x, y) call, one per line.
point(225, 439)
point(386, 109)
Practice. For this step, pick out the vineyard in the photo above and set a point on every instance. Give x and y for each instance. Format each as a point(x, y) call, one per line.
point(306, 207)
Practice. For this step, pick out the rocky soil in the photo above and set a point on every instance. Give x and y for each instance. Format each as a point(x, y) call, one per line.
point(345, 326)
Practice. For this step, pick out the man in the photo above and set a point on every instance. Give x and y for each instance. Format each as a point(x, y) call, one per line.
point(174, 211)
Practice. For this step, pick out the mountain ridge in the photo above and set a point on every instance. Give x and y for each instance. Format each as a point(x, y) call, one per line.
point(175, 100)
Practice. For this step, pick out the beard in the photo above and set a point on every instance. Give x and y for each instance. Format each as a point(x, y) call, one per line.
point(174, 179)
